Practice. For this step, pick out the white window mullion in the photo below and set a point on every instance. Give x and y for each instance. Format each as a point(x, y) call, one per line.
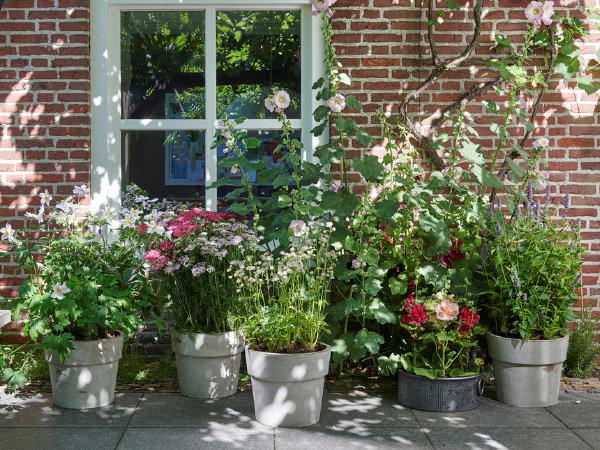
point(210, 77)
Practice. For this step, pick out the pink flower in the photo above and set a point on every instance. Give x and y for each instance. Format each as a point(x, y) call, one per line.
point(166, 245)
point(281, 99)
point(546, 177)
point(535, 13)
point(298, 227)
point(234, 169)
point(335, 186)
point(270, 104)
point(322, 5)
point(152, 255)
point(416, 315)
point(548, 12)
point(337, 103)
point(446, 310)
point(355, 264)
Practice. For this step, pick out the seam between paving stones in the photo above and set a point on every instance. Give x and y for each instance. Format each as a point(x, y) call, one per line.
point(568, 427)
point(129, 421)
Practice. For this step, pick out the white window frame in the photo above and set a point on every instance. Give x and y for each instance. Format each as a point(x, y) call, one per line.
point(106, 122)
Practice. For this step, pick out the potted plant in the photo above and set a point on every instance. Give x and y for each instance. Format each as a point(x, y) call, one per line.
point(286, 299)
point(532, 266)
point(83, 296)
point(191, 261)
point(437, 370)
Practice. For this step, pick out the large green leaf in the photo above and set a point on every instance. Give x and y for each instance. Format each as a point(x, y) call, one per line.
point(370, 340)
point(339, 204)
point(369, 167)
point(381, 313)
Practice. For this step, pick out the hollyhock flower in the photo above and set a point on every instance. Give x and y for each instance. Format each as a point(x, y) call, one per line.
point(298, 227)
point(59, 291)
point(469, 319)
point(446, 261)
point(8, 234)
point(411, 284)
point(81, 191)
point(416, 315)
point(535, 12)
point(45, 197)
point(446, 310)
point(321, 5)
point(545, 176)
point(270, 104)
point(548, 12)
point(281, 100)
point(439, 295)
point(335, 186)
point(337, 103)
point(541, 143)
point(234, 169)
point(455, 254)
point(355, 264)
point(226, 135)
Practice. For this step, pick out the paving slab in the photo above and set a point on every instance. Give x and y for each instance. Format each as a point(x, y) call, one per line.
point(505, 438)
point(490, 414)
point(578, 410)
point(589, 435)
point(60, 438)
point(361, 410)
point(37, 410)
point(339, 438)
point(178, 411)
point(215, 437)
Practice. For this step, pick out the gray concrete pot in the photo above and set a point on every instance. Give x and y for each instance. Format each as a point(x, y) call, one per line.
point(87, 378)
point(287, 388)
point(527, 373)
point(439, 394)
point(208, 365)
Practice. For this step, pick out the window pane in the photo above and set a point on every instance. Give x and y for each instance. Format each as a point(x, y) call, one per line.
point(266, 151)
point(162, 64)
point(168, 164)
point(257, 50)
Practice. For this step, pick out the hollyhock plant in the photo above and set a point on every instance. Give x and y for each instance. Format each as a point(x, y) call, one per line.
point(441, 330)
point(191, 264)
point(337, 103)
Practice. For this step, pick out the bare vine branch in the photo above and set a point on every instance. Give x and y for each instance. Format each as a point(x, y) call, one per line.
point(434, 55)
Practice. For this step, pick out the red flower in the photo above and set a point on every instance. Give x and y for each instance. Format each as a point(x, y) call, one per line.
point(411, 285)
point(152, 255)
point(469, 319)
point(416, 314)
point(166, 245)
point(142, 228)
point(446, 261)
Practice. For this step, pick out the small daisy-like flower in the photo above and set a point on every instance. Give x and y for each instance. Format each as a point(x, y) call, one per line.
point(541, 143)
point(8, 233)
point(81, 191)
point(46, 197)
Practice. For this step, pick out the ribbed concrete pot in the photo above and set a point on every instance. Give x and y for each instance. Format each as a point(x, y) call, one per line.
point(439, 394)
point(208, 365)
point(527, 373)
point(287, 388)
point(87, 378)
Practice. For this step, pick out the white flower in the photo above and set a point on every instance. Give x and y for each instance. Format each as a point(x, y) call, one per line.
point(8, 234)
point(548, 12)
point(337, 103)
point(73, 220)
point(46, 197)
point(535, 13)
point(153, 227)
point(81, 191)
point(59, 291)
point(270, 104)
point(541, 143)
point(281, 100)
point(298, 227)
point(153, 216)
point(128, 221)
point(109, 213)
point(39, 216)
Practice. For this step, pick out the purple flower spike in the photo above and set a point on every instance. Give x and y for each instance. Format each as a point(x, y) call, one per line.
point(537, 210)
point(484, 252)
point(498, 203)
point(576, 280)
point(498, 229)
point(530, 192)
point(490, 209)
point(515, 277)
point(566, 203)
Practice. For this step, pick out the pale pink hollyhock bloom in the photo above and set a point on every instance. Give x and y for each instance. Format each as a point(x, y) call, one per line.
point(270, 104)
point(335, 186)
point(523, 104)
point(548, 12)
point(298, 227)
point(535, 12)
point(234, 169)
point(329, 13)
point(375, 192)
point(545, 176)
point(355, 264)
point(322, 5)
point(446, 310)
point(439, 295)
point(281, 100)
point(226, 135)
point(337, 103)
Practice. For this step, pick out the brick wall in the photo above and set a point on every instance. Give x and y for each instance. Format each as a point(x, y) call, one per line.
point(44, 98)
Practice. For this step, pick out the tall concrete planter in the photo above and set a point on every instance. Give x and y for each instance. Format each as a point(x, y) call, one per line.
point(87, 378)
point(208, 365)
point(288, 388)
point(527, 373)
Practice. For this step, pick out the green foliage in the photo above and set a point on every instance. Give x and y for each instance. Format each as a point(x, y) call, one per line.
point(133, 368)
point(583, 348)
point(533, 268)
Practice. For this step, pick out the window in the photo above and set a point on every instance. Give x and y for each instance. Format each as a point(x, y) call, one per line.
point(165, 72)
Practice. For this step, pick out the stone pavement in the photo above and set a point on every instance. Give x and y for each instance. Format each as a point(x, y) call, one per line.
point(348, 420)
